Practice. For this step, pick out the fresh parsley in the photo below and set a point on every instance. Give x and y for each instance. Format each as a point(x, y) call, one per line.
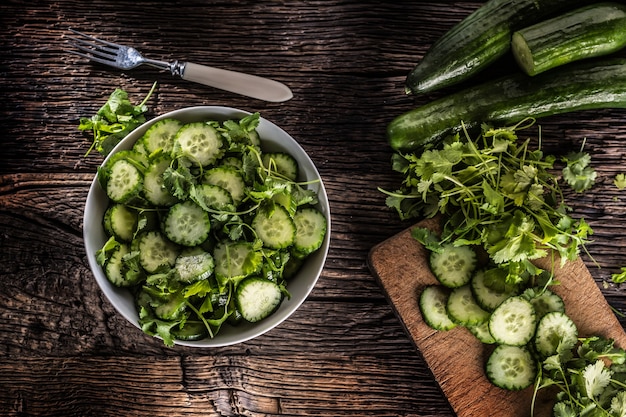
point(114, 120)
point(578, 172)
point(590, 379)
point(620, 181)
point(495, 192)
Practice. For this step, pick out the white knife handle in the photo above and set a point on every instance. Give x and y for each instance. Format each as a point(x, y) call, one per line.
point(237, 82)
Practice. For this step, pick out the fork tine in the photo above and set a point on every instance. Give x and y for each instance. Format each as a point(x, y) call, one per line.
point(101, 51)
point(84, 35)
point(92, 58)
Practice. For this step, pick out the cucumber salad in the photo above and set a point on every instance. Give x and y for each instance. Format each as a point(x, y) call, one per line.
point(204, 227)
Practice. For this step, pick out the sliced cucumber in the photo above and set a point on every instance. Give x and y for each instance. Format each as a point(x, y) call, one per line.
point(511, 367)
point(187, 224)
point(154, 189)
point(489, 294)
point(311, 228)
point(156, 253)
point(257, 298)
point(193, 264)
point(121, 221)
point(513, 322)
point(199, 142)
point(282, 163)
point(556, 333)
point(235, 260)
point(160, 136)
point(229, 179)
point(212, 197)
point(274, 227)
point(463, 308)
point(119, 271)
point(432, 302)
point(544, 301)
point(191, 330)
point(482, 333)
point(124, 182)
point(453, 265)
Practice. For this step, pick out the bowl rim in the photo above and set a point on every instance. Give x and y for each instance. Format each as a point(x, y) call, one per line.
point(96, 198)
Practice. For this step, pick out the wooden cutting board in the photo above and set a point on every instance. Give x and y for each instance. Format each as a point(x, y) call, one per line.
point(456, 358)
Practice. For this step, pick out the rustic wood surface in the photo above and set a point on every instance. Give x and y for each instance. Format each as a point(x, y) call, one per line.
point(66, 352)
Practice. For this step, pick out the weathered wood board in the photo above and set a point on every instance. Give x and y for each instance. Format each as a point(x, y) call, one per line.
point(456, 357)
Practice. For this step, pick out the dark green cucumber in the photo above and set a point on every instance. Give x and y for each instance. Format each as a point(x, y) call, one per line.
point(477, 41)
point(510, 99)
point(590, 31)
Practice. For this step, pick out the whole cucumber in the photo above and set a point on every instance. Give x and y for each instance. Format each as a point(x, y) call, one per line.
point(510, 99)
point(477, 41)
point(590, 31)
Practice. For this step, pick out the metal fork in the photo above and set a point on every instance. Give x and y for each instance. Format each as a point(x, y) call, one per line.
point(125, 58)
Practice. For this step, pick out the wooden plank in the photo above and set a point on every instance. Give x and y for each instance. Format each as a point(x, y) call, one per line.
point(215, 385)
point(456, 357)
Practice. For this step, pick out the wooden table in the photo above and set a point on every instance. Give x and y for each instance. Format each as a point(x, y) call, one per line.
point(64, 349)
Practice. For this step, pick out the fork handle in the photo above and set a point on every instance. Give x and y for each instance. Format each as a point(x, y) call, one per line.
point(237, 82)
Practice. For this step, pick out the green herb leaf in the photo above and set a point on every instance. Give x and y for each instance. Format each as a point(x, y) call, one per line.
point(578, 174)
point(620, 277)
point(114, 120)
point(597, 378)
point(620, 181)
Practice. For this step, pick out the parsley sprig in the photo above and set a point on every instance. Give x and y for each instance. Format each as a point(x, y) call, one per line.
point(114, 120)
point(591, 379)
point(495, 192)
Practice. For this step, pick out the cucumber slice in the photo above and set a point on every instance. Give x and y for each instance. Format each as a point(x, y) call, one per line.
point(489, 294)
point(229, 179)
point(482, 333)
point(513, 322)
point(193, 264)
point(453, 265)
point(235, 260)
point(556, 333)
point(463, 308)
point(199, 142)
point(124, 181)
point(121, 221)
point(274, 227)
point(120, 272)
point(154, 189)
point(311, 228)
point(161, 136)
point(432, 302)
point(212, 197)
point(511, 367)
point(257, 298)
point(191, 330)
point(544, 301)
point(187, 224)
point(156, 253)
point(282, 163)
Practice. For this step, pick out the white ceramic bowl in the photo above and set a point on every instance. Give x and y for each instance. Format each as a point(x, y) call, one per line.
point(273, 138)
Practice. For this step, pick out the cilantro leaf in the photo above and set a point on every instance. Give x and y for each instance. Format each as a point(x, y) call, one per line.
point(578, 173)
point(620, 181)
point(426, 237)
point(620, 277)
point(597, 378)
point(114, 121)
point(618, 404)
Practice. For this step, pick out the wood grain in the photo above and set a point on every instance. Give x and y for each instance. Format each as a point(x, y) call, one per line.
point(64, 351)
point(456, 357)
